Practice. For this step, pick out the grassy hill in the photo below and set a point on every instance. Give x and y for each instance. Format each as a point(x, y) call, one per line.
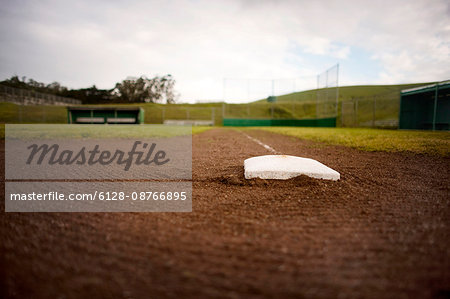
point(348, 92)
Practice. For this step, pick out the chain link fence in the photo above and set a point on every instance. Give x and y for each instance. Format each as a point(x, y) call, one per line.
point(327, 93)
point(376, 111)
point(31, 97)
point(264, 110)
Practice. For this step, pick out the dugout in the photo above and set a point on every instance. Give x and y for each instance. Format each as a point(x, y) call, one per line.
point(426, 107)
point(105, 115)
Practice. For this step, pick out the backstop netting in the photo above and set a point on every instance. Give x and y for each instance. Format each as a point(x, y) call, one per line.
point(238, 90)
point(327, 93)
point(320, 100)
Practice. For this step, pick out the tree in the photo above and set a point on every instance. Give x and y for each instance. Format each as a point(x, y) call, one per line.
point(145, 90)
point(90, 95)
point(131, 90)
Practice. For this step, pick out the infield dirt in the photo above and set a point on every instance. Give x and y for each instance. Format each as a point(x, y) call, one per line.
point(381, 231)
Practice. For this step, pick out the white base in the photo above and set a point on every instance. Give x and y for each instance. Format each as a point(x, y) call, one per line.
point(283, 167)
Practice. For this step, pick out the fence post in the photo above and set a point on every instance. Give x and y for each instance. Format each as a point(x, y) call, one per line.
point(353, 111)
point(356, 113)
point(436, 93)
point(317, 98)
point(213, 116)
point(326, 89)
point(163, 114)
point(20, 114)
point(337, 90)
point(248, 89)
point(373, 111)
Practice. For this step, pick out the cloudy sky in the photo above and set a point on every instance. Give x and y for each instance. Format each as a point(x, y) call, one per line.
point(201, 42)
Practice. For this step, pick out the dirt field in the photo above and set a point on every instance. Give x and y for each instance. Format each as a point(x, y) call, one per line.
point(382, 231)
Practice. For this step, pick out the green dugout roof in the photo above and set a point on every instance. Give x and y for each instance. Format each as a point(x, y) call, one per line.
point(426, 88)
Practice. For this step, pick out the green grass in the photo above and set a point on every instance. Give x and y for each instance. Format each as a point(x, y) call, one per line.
point(200, 129)
point(424, 142)
point(48, 131)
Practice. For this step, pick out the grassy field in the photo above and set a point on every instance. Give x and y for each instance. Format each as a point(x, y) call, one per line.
point(423, 142)
point(43, 131)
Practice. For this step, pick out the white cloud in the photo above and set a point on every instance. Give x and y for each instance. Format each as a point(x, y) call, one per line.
point(201, 42)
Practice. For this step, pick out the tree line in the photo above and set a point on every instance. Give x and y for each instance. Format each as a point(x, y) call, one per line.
point(159, 89)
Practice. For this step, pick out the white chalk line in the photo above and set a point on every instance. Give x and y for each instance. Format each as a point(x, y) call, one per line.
point(270, 149)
